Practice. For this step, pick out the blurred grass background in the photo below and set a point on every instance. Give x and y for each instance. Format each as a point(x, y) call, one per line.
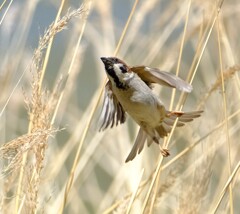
point(49, 165)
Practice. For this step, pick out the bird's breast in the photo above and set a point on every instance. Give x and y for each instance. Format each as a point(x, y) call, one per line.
point(142, 106)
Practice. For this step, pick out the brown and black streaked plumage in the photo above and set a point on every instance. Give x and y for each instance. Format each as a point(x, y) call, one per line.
point(129, 91)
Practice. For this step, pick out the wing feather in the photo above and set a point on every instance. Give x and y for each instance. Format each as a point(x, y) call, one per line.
point(154, 75)
point(112, 111)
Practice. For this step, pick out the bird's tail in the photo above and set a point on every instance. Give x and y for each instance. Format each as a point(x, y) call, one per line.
point(138, 144)
point(162, 130)
point(183, 117)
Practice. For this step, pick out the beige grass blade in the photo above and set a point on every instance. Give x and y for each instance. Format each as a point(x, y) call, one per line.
point(77, 157)
point(180, 105)
point(225, 107)
point(229, 181)
point(134, 193)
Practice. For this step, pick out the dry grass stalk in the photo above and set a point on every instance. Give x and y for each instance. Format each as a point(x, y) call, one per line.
point(227, 74)
point(41, 106)
point(77, 157)
point(96, 181)
point(55, 28)
point(13, 151)
point(193, 194)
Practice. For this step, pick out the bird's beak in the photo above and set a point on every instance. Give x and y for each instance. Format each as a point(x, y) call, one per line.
point(106, 61)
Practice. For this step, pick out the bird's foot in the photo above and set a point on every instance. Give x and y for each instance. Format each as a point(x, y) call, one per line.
point(165, 152)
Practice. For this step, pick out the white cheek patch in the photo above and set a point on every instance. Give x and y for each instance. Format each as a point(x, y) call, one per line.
point(118, 71)
point(122, 76)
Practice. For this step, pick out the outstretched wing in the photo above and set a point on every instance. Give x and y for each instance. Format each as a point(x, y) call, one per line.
point(154, 75)
point(112, 111)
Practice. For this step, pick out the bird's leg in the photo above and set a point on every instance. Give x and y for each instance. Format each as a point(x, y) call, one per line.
point(152, 134)
point(164, 151)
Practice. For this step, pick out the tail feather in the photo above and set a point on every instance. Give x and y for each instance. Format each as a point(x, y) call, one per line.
point(181, 114)
point(138, 145)
point(149, 141)
point(184, 120)
point(162, 130)
point(169, 120)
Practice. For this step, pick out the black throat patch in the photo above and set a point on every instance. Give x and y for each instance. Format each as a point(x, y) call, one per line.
point(118, 83)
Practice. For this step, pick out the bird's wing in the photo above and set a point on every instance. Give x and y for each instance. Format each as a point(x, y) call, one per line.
point(112, 111)
point(154, 75)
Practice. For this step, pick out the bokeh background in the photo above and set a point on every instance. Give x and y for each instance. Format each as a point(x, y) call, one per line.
point(157, 36)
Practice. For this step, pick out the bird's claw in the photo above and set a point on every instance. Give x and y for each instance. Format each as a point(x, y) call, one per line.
point(165, 152)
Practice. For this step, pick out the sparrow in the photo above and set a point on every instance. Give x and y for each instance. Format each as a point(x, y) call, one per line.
point(129, 90)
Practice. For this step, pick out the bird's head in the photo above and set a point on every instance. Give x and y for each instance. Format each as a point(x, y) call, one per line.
point(118, 72)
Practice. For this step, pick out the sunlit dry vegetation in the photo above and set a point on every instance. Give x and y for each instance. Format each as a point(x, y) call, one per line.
point(52, 157)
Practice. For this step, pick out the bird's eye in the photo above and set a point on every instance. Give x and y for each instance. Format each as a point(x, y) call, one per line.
point(123, 69)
